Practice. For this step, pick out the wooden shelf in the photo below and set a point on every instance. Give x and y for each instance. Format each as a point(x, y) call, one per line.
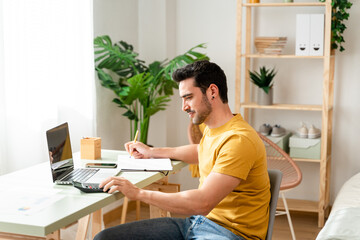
point(246, 59)
point(298, 205)
point(293, 4)
point(295, 159)
point(306, 160)
point(279, 56)
point(284, 107)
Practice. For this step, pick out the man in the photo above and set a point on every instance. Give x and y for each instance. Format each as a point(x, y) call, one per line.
point(232, 201)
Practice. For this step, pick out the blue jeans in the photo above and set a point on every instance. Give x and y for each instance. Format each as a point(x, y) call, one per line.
point(194, 227)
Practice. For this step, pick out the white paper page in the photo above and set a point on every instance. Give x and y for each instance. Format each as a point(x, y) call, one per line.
point(27, 203)
point(126, 162)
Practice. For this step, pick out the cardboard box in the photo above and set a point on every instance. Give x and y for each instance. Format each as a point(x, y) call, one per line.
point(90, 148)
point(282, 142)
point(304, 147)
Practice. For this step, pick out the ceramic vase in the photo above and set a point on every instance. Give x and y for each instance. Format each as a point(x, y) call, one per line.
point(264, 98)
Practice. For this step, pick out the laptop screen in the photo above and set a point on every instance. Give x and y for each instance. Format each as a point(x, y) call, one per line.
point(59, 148)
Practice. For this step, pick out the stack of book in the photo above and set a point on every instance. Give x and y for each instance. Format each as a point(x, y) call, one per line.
point(270, 45)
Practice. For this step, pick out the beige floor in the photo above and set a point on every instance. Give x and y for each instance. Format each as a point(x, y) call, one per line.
point(305, 226)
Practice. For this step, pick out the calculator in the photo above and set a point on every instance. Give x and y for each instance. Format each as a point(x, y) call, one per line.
point(88, 187)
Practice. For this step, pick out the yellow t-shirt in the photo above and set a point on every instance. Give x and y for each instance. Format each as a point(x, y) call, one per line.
point(235, 149)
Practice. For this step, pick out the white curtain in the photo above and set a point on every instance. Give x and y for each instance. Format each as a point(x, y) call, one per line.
point(46, 76)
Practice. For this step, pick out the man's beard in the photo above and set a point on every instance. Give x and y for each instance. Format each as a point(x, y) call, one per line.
point(202, 115)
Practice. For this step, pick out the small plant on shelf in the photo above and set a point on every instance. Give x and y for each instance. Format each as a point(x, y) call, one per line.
point(263, 79)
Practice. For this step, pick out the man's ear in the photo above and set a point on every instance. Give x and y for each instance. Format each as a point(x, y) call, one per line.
point(213, 91)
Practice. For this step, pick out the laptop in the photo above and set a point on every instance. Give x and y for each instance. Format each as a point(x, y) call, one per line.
point(61, 160)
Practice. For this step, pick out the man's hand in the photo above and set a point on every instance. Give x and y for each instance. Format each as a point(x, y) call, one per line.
point(187, 153)
point(122, 185)
point(138, 149)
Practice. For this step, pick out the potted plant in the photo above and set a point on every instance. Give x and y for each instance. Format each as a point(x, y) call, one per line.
point(264, 80)
point(142, 90)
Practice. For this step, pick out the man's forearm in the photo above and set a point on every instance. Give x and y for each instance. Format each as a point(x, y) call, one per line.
point(187, 153)
point(187, 202)
point(197, 201)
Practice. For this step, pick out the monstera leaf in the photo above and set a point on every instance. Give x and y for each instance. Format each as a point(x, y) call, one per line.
point(119, 58)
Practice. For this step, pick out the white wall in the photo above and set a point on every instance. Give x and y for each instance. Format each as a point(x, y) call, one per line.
point(119, 20)
point(214, 22)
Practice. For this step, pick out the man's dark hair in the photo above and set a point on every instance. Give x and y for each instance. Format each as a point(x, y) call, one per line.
point(204, 73)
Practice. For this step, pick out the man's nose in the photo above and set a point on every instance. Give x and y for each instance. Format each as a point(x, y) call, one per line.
point(185, 107)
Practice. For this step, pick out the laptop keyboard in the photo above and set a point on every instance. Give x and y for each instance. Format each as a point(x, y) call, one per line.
point(80, 174)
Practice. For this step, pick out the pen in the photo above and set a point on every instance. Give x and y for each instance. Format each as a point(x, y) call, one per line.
point(136, 135)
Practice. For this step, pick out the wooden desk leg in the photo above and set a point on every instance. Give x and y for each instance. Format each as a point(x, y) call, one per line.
point(138, 208)
point(83, 225)
point(156, 212)
point(97, 219)
point(124, 210)
point(53, 236)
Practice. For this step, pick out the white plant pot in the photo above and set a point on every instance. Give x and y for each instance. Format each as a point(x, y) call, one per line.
point(264, 98)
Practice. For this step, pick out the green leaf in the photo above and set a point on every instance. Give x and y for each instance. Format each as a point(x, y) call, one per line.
point(118, 101)
point(183, 60)
point(266, 89)
point(130, 115)
point(339, 15)
point(264, 79)
point(106, 79)
point(157, 105)
point(117, 57)
point(137, 89)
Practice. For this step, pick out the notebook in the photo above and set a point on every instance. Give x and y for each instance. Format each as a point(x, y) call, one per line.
point(128, 163)
point(61, 160)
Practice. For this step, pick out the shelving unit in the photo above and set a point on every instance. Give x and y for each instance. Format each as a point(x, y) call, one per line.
point(243, 100)
point(278, 56)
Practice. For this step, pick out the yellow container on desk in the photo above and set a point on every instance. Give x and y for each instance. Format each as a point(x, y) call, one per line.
point(90, 148)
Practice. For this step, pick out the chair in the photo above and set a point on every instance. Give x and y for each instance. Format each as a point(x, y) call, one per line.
point(279, 159)
point(275, 181)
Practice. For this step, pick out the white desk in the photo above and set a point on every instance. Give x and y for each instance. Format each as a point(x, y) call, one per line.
point(73, 204)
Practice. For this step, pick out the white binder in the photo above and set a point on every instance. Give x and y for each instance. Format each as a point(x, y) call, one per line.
point(316, 34)
point(302, 35)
